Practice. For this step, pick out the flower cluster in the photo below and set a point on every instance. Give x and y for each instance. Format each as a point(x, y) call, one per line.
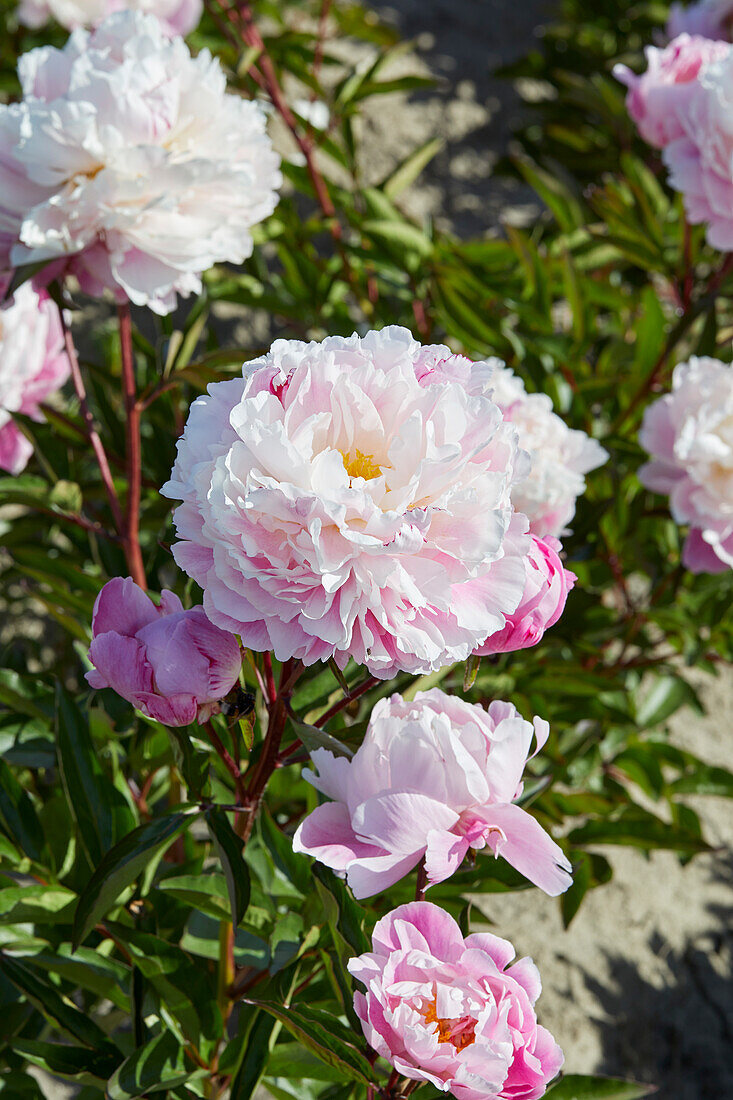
point(173, 665)
point(176, 16)
point(128, 164)
point(33, 365)
point(432, 778)
point(452, 1011)
point(353, 498)
point(689, 433)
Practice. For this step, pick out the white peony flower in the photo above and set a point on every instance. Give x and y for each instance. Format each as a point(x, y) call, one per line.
point(176, 16)
point(33, 365)
point(128, 163)
point(561, 456)
point(689, 433)
point(352, 498)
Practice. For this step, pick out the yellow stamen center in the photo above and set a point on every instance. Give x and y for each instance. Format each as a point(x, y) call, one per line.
point(458, 1032)
point(360, 465)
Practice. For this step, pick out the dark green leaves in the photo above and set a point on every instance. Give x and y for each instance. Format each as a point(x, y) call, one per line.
point(122, 866)
point(229, 848)
point(156, 1067)
point(577, 1087)
point(102, 814)
point(325, 1036)
point(18, 816)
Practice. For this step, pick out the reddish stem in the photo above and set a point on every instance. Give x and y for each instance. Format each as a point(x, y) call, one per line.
point(229, 763)
point(269, 678)
point(422, 882)
point(344, 702)
point(134, 457)
point(91, 431)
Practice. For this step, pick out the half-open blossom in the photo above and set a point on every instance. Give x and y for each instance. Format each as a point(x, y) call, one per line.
point(689, 434)
point(708, 18)
point(452, 1011)
point(543, 602)
point(351, 498)
point(432, 778)
point(128, 164)
point(560, 455)
point(659, 96)
point(33, 365)
point(173, 665)
point(176, 16)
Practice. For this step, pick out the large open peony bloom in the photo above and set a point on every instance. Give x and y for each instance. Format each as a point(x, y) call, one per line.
point(560, 455)
point(173, 665)
point(176, 16)
point(689, 433)
point(708, 18)
point(33, 365)
point(352, 498)
point(433, 778)
point(543, 601)
point(700, 161)
point(453, 1011)
point(127, 164)
point(659, 96)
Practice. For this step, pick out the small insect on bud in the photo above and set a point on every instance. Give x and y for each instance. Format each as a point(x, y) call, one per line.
point(238, 704)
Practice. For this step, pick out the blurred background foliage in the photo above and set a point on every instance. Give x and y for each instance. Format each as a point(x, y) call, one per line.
point(593, 304)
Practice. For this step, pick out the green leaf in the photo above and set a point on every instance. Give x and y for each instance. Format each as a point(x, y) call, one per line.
point(101, 813)
point(402, 236)
point(121, 866)
point(70, 1062)
point(53, 1005)
point(411, 167)
point(325, 1036)
point(315, 738)
point(230, 850)
point(578, 1087)
point(639, 829)
point(18, 816)
point(260, 1041)
point(20, 1086)
point(280, 847)
point(668, 694)
point(290, 1060)
point(159, 1065)
point(207, 892)
point(341, 910)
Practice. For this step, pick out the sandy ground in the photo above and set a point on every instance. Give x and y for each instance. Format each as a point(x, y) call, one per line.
point(640, 986)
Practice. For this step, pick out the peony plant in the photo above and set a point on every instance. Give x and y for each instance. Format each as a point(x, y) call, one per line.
point(306, 673)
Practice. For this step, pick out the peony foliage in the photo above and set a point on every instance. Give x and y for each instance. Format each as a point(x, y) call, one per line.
point(352, 570)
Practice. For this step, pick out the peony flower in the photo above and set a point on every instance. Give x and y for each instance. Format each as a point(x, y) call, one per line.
point(452, 1011)
point(352, 498)
point(542, 604)
point(689, 433)
point(433, 778)
point(173, 665)
point(127, 164)
point(33, 365)
point(560, 455)
point(658, 97)
point(176, 16)
point(707, 18)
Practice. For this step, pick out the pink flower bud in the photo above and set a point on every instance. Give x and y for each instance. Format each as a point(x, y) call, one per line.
point(453, 1011)
point(173, 665)
point(545, 592)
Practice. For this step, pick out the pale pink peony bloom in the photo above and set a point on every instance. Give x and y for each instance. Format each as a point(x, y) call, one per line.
point(560, 455)
point(127, 164)
point(452, 1011)
point(433, 778)
point(176, 16)
point(173, 665)
point(658, 98)
point(543, 602)
point(707, 18)
point(700, 162)
point(689, 433)
point(336, 505)
point(33, 365)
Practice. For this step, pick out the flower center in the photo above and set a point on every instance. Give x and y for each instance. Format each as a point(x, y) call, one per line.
point(360, 465)
point(459, 1032)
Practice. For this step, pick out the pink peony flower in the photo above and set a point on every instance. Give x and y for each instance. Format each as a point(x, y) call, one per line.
point(658, 97)
point(33, 365)
point(344, 499)
point(176, 16)
point(689, 433)
point(707, 18)
point(173, 665)
point(127, 164)
point(542, 604)
point(433, 778)
point(452, 1011)
point(561, 456)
